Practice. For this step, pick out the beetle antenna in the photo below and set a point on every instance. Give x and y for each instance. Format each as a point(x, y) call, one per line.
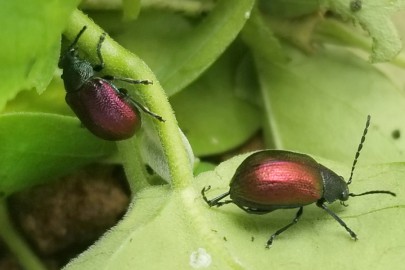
point(77, 38)
point(363, 138)
point(373, 192)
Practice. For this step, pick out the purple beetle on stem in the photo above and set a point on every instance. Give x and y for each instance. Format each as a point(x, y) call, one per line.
point(107, 111)
point(274, 179)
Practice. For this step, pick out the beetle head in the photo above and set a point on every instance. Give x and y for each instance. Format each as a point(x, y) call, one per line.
point(335, 187)
point(68, 57)
point(76, 71)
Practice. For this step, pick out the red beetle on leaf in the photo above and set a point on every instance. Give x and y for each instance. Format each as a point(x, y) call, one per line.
point(274, 179)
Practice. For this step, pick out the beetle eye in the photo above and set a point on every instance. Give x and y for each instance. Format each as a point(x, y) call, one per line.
point(344, 196)
point(73, 52)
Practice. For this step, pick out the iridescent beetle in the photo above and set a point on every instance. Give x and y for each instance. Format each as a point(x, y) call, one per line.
point(274, 179)
point(107, 111)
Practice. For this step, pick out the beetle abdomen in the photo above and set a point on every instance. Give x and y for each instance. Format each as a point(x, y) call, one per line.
point(103, 111)
point(274, 179)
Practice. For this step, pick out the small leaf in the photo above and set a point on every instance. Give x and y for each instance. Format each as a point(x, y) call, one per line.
point(30, 44)
point(50, 101)
point(153, 153)
point(375, 18)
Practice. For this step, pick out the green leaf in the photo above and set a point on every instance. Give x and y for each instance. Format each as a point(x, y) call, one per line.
point(153, 153)
point(30, 43)
point(375, 18)
point(289, 8)
point(318, 104)
point(50, 101)
point(177, 227)
point(131, 9)
point(184, 50)
point(37, 146)
point(204, 107)
point(260, 38)
point(201, 167)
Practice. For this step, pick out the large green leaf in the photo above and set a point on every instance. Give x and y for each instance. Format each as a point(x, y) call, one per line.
point(214, 117)
point(184, 49)
point(318, 104)
point(164, 229)
point(37, 146)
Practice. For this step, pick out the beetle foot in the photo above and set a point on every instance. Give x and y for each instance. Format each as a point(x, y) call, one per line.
point(205, 189)
point(270, 241)
point(344, 204)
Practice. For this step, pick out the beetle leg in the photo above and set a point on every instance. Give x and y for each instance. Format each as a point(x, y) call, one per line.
point(216, 201)
point(295, 220)
point(124, 93)
point(218, 204)
point(344, 204)
point(146, 110)
point(127, 80)
point(321, 204)
point(100, 66)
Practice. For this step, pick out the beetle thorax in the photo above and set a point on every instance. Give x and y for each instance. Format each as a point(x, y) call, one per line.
point(75, 71)
point(335, 188)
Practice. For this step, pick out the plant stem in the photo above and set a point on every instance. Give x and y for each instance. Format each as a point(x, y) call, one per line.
point(15, 243)
point(134, 168)
point(121, 62)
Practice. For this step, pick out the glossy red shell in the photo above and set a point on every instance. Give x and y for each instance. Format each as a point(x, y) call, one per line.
point(104, 111)
point(273, 179)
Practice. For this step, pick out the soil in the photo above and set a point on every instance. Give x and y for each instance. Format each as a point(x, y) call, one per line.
point(62, 219)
